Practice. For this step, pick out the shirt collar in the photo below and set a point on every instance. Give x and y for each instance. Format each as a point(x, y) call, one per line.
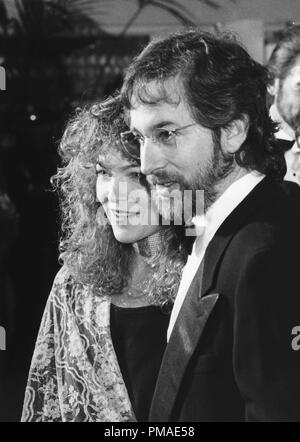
point(207, 225)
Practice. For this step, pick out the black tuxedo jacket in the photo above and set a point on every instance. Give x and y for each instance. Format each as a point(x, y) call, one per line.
point(230, 356)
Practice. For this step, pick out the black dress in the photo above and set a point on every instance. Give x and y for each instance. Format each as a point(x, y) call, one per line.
point(139, 337)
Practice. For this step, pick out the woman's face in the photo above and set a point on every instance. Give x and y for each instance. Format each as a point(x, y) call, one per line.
point(125, 201)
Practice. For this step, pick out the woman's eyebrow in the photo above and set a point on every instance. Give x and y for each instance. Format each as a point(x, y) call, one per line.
point(128, 167)
point(123, 168)
point(102, 164)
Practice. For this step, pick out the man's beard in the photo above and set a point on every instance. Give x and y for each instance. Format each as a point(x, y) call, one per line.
point(291, 117)
point(172, 206)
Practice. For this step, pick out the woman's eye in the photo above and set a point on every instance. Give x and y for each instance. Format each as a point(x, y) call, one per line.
point(100, 170)
point(136, 175)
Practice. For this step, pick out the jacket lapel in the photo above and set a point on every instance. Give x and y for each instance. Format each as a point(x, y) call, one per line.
point(198, 304)
point(184, 338)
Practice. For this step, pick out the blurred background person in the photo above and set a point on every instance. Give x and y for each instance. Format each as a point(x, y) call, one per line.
point(284, 86)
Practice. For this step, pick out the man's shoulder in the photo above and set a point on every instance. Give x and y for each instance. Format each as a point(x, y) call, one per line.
point(283, 208)
point(292, 190)
point(274, 223)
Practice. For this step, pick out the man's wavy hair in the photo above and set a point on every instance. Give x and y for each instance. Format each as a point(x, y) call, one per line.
point(88, 247)
point(220, 83)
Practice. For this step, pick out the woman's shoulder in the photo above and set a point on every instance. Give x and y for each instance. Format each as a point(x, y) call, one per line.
point(63, 278)
point(66, 287)
point(70, 297)
point(64, 284)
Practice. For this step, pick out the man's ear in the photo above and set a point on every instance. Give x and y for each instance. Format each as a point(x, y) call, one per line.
point(274, 87)
point(233, 136)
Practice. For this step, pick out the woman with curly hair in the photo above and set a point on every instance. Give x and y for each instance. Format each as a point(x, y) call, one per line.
point(103, 332)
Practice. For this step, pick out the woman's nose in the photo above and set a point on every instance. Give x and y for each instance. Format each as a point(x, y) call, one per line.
point(118, 190)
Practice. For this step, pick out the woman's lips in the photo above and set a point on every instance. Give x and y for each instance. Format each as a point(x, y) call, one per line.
point(123, 214)
point(166, 184)
point(166, 188)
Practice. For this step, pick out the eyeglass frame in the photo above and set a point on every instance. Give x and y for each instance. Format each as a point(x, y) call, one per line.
point(153, 137)
point(297, 136)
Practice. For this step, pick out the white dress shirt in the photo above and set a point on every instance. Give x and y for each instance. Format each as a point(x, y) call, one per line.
point(206, 227)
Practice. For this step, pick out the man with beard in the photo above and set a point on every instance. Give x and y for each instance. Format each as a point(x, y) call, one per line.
point(199, 121)
point(284, 86)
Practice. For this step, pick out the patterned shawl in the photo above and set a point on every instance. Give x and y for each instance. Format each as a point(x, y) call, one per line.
point(74, 374)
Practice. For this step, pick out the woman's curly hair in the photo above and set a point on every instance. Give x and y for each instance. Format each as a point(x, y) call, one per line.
point(88, 247)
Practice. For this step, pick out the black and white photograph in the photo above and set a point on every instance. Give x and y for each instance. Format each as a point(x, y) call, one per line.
point(149, 213)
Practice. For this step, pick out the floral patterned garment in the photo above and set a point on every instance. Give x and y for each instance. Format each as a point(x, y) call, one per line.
point(74, 374)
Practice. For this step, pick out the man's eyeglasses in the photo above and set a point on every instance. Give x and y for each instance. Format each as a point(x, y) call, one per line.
point(132, 140)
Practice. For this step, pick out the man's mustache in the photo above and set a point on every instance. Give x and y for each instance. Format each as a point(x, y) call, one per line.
point(162, 177)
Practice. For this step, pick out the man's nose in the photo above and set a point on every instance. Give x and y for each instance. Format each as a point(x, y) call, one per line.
point(151, 157)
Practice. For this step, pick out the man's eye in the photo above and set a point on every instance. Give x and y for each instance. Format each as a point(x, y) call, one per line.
point(165, 136)
point(138, 138)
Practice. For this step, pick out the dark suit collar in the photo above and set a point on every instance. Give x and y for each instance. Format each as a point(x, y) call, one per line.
point(262, 194)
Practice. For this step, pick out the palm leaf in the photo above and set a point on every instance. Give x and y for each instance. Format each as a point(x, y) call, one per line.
point(172, 8)
point(175, 8)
